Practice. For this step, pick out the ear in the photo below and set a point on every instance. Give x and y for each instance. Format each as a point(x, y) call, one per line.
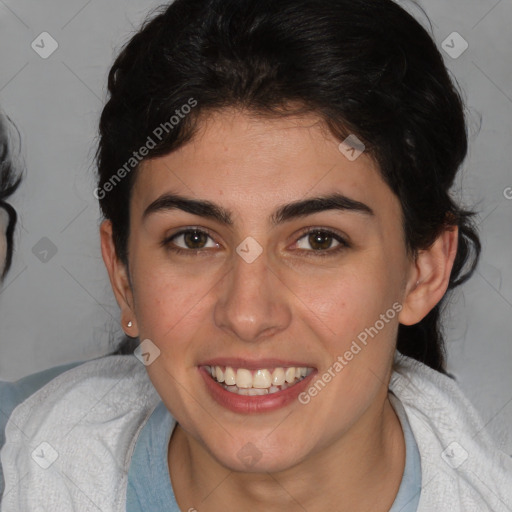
point(119, 280)
point(429, 277)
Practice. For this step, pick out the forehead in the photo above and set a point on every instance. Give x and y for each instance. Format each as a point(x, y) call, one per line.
point(251, 163)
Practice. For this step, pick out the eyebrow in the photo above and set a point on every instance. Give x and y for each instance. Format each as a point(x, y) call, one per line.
point(296, 209)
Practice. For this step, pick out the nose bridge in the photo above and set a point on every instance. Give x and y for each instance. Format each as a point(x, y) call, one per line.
point(251, 304)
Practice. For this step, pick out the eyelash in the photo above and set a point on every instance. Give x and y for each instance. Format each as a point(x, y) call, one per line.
point(343, 244)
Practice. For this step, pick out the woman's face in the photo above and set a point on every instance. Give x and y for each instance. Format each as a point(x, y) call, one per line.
point(253, 290)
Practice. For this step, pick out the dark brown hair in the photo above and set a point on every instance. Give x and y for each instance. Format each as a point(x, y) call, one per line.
point(10, 179)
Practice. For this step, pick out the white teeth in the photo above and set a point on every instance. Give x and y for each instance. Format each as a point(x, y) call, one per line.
point(230, 376)
point(243, 378)
point(278, 377)
point(259, 382)
point(290, 375)
point(262, 379)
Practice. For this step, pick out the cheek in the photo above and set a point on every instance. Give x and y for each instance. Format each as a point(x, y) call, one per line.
point(348, 299)
point(170, 303)
point(358, 332)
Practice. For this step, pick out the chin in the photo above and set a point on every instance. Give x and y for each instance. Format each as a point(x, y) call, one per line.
point(254, 457)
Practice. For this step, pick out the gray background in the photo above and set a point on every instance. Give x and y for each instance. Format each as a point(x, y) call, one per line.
point(62, 310)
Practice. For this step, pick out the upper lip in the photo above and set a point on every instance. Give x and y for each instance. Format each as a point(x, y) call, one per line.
point(254, 364)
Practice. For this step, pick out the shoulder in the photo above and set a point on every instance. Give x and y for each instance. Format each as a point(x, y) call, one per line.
point(85, 421)
point(14, 393)
point(95, 380)
point(464, 466)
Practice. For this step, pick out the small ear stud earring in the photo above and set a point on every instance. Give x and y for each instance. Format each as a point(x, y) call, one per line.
point(129, 324)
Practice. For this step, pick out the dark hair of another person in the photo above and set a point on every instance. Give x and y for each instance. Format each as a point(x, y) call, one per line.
point(366, 67)
point(9, 182)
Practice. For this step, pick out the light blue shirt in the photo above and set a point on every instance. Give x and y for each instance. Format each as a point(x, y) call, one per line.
point(149, 483)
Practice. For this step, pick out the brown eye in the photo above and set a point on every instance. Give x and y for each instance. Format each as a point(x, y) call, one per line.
point(322, 242)
point(191, 240)
point(195, 239)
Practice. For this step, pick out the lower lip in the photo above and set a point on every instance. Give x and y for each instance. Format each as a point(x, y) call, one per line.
point(254, 404)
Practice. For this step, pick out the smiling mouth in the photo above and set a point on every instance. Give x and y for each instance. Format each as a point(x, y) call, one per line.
point(242, 381)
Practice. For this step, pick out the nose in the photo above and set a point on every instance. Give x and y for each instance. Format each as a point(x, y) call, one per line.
point(252, 304)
